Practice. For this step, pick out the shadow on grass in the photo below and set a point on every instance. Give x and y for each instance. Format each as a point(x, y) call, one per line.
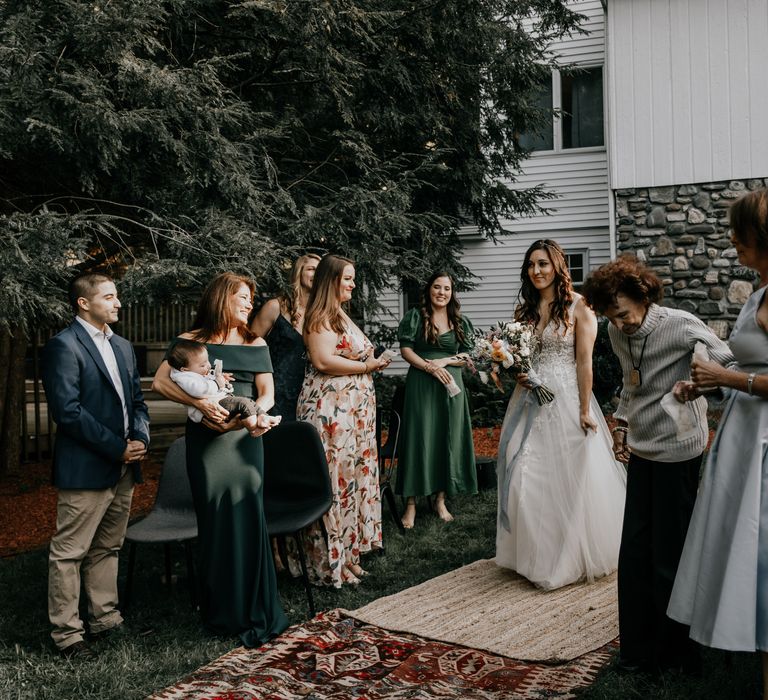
point(167, 642)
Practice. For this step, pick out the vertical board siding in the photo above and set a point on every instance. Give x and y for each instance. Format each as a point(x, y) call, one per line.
point(757, 21)
point(660, 90)
point(719, 79)
point(698, 110)
point(679, 51)
point(686, 85)
point(738, 61)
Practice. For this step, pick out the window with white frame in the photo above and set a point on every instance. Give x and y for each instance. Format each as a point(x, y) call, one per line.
point(577, 98)
point(578, 264)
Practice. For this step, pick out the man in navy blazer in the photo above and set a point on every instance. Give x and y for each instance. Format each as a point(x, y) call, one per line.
point(102, 433)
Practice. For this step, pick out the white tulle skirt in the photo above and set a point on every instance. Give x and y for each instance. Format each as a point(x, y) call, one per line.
point(561, 492)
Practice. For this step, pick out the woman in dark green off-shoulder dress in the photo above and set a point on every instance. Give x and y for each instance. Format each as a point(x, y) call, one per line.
point(225, 465)
point(436, 454)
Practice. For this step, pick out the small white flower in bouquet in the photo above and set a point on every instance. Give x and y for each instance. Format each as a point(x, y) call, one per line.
point(509, 345)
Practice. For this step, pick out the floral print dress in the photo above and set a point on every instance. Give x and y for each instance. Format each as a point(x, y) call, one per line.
point(343, 409)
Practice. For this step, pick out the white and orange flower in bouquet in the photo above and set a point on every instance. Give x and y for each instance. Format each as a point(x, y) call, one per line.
point(509, 345)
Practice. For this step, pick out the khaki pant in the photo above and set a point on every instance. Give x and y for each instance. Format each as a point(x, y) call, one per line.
point(90, 528)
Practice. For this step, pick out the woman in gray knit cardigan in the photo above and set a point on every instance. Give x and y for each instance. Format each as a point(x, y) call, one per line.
point(655, 346)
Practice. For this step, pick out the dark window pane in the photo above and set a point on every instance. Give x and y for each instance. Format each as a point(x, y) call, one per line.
point(576, 266)
point(582, 104)
point(411, 294)
point(543, 138)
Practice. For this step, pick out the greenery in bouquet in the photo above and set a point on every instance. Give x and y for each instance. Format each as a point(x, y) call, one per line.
point(509, 345)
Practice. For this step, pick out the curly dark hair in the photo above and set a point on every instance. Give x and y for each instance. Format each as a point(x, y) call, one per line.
point(527, 310)
point(453, 310)
point(625, 275)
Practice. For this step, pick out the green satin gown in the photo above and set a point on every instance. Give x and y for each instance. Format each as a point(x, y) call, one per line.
point(436, 451)
point(239, 586)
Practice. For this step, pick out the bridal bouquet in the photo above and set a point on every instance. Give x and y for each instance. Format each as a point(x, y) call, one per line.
point(509, 345)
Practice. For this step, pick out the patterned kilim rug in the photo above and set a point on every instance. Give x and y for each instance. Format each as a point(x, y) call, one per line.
point(486, 607)
point(335, 657)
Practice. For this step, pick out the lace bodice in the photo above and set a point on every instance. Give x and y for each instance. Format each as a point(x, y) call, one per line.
point(555, 360)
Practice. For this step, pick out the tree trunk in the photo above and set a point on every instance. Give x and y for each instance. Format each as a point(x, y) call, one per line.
point(13, 351)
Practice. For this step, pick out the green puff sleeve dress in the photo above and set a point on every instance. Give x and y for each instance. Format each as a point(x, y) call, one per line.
point(239, 586)
point(436, 451)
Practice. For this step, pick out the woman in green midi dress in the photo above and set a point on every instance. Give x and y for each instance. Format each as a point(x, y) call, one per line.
point(436, 455)
point(225, 464)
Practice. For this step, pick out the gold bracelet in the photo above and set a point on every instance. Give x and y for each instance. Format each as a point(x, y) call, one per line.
point(365, 367)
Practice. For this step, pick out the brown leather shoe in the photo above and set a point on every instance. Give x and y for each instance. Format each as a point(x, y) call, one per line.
point(79, 651)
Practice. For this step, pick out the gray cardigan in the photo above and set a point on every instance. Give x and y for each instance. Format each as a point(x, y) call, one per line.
point(671, 337)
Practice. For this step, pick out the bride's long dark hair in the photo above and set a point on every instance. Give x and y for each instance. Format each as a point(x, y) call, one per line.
point(529, 297)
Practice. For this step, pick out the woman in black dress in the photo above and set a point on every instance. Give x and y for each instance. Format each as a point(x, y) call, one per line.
point(281, 322)
point(225, 465)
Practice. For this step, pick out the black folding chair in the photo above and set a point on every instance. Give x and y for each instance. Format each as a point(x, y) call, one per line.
point(388, 452)
point(297, 486)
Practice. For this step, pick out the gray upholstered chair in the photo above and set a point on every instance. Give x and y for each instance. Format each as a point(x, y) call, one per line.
point(172, 519)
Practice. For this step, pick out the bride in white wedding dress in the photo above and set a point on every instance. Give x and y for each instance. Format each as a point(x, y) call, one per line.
point(561, 492)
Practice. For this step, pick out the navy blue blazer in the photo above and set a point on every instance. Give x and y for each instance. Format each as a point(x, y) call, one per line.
point(84, 403)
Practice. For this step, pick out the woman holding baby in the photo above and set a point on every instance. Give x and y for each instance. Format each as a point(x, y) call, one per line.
point(225, 465)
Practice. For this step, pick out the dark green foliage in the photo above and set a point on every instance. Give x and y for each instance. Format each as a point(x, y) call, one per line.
point(386, 385)
point(164, 141)
point(176, 138)
point(487, 404)
point(606, 370)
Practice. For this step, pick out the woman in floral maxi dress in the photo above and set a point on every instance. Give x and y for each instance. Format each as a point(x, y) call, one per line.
point(338, 398)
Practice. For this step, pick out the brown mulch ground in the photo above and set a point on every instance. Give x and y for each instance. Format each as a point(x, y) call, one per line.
point(28, 505)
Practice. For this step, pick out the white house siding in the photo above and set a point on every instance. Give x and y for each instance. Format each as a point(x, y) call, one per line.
point(686, 86)
point(584, 48)
point(578, 218)
point(579, 178)
point(498, 268)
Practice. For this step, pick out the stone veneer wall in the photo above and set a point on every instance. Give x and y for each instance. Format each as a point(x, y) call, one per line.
point(682, 233)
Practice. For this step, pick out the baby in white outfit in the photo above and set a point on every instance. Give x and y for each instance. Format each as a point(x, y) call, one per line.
point(191, 370)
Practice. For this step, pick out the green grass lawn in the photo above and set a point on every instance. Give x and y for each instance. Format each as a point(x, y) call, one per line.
point(167, 641)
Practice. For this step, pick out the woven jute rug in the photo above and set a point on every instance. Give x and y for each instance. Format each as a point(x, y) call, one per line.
point(335, 657)
point(486, 607)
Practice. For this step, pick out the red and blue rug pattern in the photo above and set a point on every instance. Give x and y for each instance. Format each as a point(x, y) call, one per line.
point(334, 657)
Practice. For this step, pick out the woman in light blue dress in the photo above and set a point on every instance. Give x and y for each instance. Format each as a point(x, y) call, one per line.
point(721, 588)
